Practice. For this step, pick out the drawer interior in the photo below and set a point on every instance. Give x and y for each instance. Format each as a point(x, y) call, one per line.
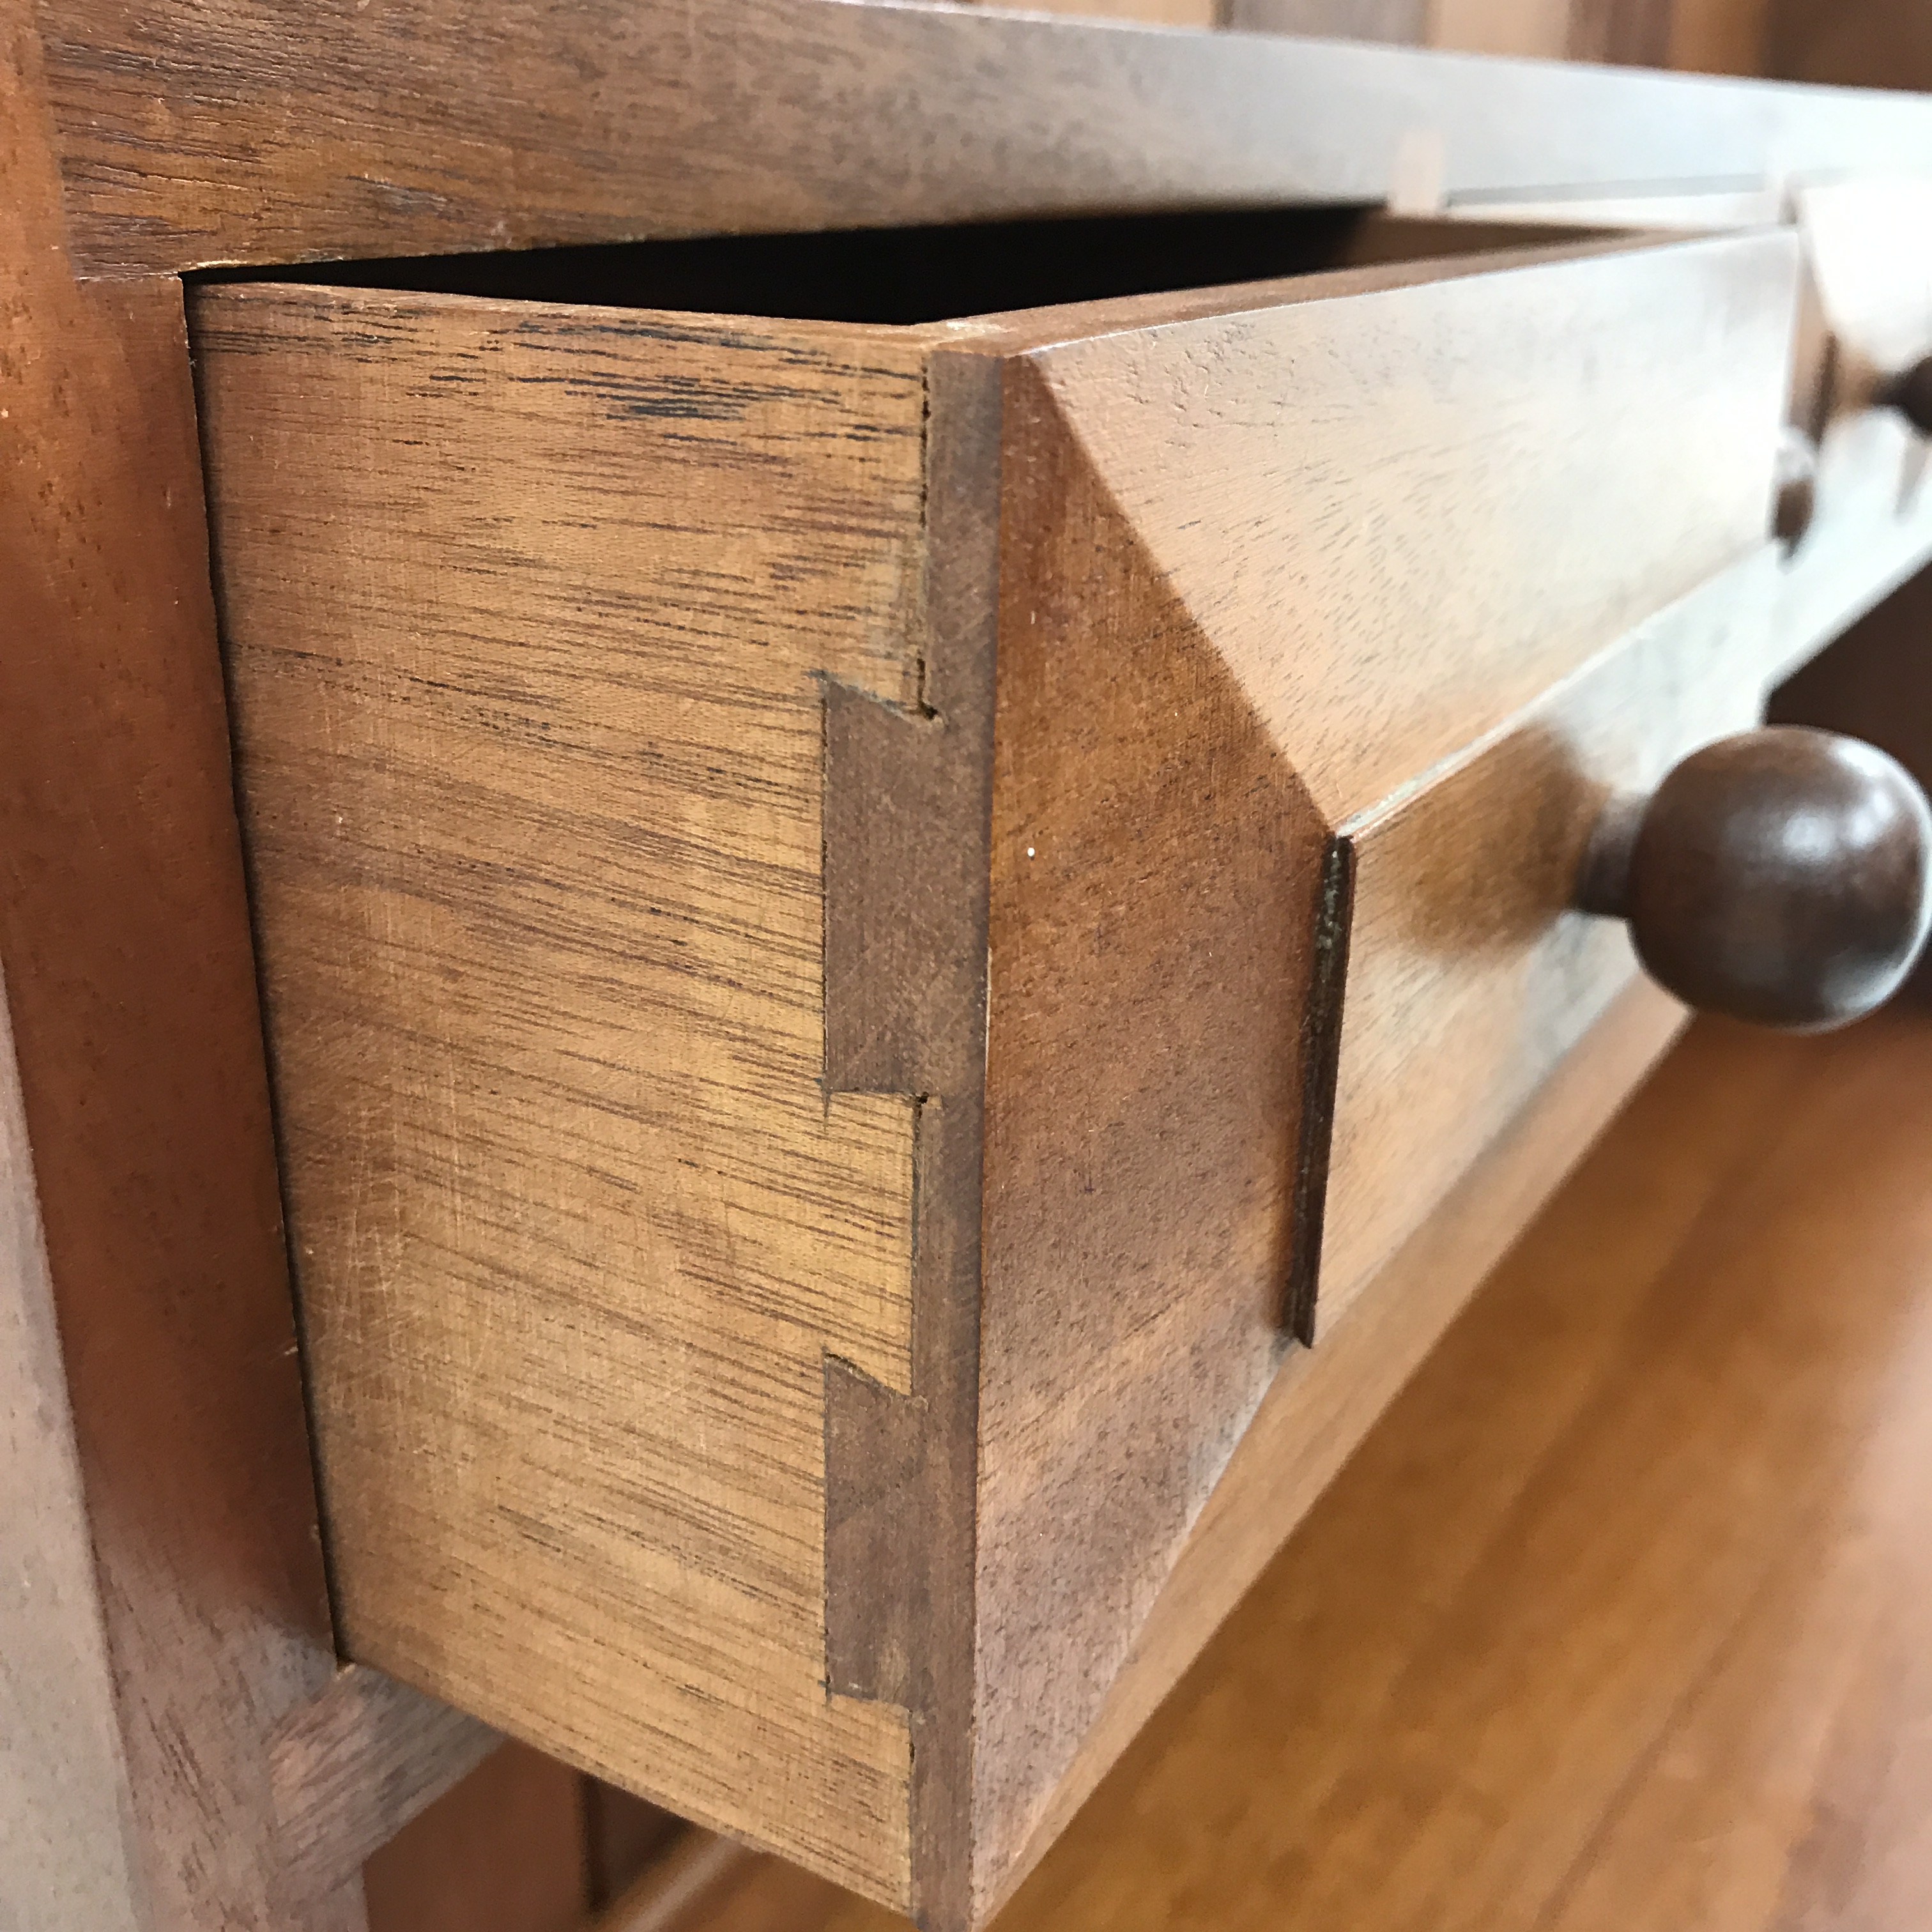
point(907, 276)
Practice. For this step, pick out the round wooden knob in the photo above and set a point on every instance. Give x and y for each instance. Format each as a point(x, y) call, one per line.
point(1782, 876)
point(1796, 478)
point(1911, 395)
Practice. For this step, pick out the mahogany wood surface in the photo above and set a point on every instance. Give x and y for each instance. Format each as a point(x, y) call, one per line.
point(531, 784)
point(351, 1767)
point(166, 1631)
point(190, 136)
point(1469, 977)
point(1864, 320)
point(1613, 1619)
point(638, 1470)
point(146, 1221)
point(260, 131)
point(1306, 625)
point(502, 1851)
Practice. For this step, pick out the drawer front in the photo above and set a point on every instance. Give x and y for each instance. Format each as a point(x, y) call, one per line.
point(1421, 573)
point(794, 869)
point(1868, 318)
point(529, 613)
point(1470, 975)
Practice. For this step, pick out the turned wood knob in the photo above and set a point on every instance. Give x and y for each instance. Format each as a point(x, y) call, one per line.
point(1911, 395)
point(1797, 481)
point(1782, 876)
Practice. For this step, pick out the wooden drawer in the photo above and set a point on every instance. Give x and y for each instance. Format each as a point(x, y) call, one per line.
point(1866, 317)
point(1855, 515)
point(803, 872)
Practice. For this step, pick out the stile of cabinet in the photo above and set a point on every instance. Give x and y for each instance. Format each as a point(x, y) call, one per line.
point(885, 948)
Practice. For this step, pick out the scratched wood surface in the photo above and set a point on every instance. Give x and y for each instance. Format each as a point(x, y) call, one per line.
point(1151, 947)
point(1613, 1619)
point(1317, 1413)
point(137, 90)
point(429, 127)
point(532, 784)
point(419, 645)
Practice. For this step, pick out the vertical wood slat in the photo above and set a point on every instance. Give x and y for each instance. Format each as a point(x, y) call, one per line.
point(162, 1620)
point(143, 1111)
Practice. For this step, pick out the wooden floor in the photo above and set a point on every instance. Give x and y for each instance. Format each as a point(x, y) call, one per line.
point(1622, 1619)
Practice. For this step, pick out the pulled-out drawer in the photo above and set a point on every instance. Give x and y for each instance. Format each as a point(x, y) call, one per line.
point(836, 897)
point(1867, 324)
point(1854, 511)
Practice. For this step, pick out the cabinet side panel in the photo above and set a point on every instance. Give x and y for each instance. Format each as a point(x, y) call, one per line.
point(529, 613)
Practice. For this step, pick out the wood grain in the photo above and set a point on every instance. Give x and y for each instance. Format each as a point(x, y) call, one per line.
point(1471, 977)
point(1324, 1399)
point(1865, 314)
point(250, 130)
point(351, 1767)
point(633, 1373)
point(1462, 419)
point(1609, 1621)
point(396, 667)
point(501, 1851)
point(1150, 950)
point(1316, 1415)
point(1325, 544)
point(143, 1146)
point(533, 773)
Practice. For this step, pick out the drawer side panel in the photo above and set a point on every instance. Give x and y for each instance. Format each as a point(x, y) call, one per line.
point(529, 614)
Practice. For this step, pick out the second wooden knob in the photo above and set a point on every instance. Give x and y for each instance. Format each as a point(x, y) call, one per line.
point(1782, 876)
